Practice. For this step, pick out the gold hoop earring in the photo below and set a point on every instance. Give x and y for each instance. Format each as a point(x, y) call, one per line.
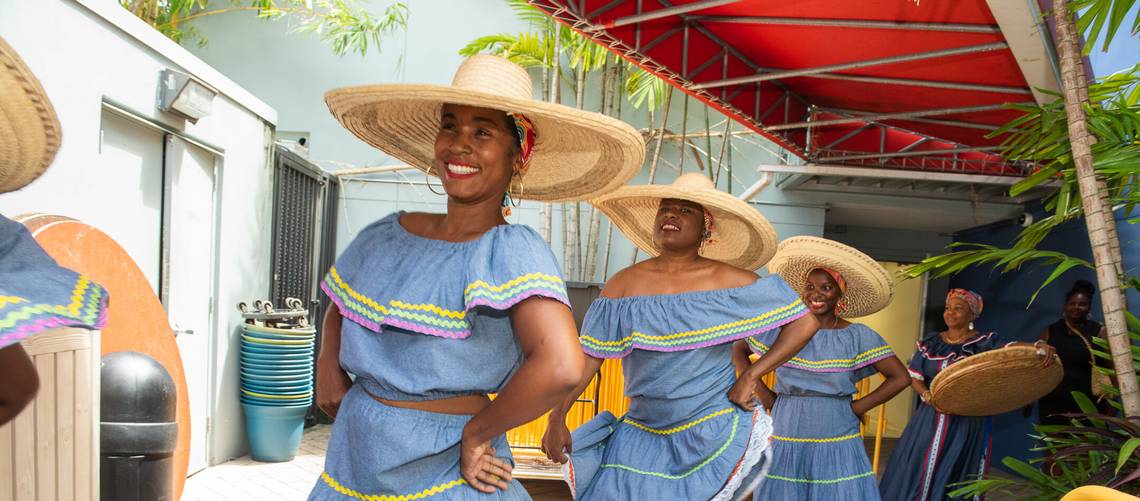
point(514, 201)
point(427, 182)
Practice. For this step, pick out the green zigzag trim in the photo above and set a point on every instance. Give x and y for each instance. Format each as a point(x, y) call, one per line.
point(824, 482)
point(89, 315)
point(731, 437)
point(629, 340)
point(847, 363)
point(482, 291)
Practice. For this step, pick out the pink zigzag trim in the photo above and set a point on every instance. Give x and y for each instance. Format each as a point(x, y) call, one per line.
point(843, 369)
point(431, 331)
point(702, 344)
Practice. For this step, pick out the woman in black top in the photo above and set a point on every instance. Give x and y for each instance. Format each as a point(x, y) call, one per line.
point(1071, 336)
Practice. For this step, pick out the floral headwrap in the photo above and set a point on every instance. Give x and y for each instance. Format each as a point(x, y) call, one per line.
point(971, 298)
point(839, 281)
point(524, 131)
point(710, 226)
point(834, 276)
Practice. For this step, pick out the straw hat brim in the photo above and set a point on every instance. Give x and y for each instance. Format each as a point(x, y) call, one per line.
point(742, 237)
point(869, 285)
point(577, 154)
point(29, 129)
point(994, 382)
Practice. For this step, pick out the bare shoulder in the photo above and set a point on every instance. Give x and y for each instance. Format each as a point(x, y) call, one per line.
point(616, 286)
point(729, 276)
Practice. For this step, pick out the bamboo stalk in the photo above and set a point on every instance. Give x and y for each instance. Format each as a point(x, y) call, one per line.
point(708, 142)
point(656, 155)
point(723, 145)
point(684, 133)
point(661, 132)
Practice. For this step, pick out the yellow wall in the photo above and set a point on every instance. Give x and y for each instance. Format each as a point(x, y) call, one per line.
point(899, 324)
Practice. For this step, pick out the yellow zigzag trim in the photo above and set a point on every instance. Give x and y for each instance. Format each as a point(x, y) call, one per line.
point(512, 283)
point(78, 294)
point(459, 315)
point(387, 497)
point(765, 348)
point(683, 427)
point(6, 300)
point(706, 330)
point(356, 295)
point(817, 440)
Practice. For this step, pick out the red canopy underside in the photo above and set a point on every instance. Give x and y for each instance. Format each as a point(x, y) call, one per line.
point(713, 45)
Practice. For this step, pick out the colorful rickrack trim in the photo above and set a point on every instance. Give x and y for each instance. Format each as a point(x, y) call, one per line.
point(818, 440)
point(431, 319)
point(690, 340)
point(815, 481)
point(19, 318)
point(702, 464)
point(426, 493)
point(680, 428)
point(833, 365)
point(915, 374)
point(952, 356)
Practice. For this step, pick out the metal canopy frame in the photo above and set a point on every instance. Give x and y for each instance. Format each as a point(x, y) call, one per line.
point(779, 110)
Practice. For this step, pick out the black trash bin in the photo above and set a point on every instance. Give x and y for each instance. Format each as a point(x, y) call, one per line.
point(138, 429)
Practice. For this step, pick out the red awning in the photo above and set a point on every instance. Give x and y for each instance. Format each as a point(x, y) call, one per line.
point(890, 83)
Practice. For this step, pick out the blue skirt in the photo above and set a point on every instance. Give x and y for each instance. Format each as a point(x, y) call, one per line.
point(817, 452)
point(382, 452)
point(936, 449)
point(715, 455)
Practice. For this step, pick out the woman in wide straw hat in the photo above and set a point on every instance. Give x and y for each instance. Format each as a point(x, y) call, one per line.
point(673, 319)
point(937, 449)
point(814, 415)
point(435, 311)
point(36, 294)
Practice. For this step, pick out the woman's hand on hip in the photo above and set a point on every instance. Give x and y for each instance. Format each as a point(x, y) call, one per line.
point(479, 466)
point(332, 384)
point(743, 393)
point(557, 442)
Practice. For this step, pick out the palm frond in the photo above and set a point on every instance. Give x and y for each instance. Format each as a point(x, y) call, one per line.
point(1099, 20)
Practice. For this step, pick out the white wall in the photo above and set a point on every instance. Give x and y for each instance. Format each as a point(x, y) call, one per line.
point(292, 72)
point(82, 58)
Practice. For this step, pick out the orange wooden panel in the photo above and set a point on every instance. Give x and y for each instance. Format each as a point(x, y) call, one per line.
point(136, 320)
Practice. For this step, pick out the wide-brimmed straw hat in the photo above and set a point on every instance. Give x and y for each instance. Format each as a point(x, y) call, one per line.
point(869, 285)
point(994, 382)
point(741, 236)
point(577, 154)
point(29, 130)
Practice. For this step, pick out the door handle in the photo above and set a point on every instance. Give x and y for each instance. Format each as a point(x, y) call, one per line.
point(178, 331)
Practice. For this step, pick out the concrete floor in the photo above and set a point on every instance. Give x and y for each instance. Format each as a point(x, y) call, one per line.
point(244, 479)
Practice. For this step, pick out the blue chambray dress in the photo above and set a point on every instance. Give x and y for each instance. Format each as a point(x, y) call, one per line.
point(36, 294)
point(682, 438)
point(938, 449)
point(424, 319)
point(812, 417)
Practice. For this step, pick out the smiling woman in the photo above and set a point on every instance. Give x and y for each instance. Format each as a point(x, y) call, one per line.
point(435, 311)
point(693, 430)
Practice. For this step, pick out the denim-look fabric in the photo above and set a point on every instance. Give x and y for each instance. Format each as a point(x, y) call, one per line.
point(424, 319)
point(682, 438)
point(813, 418)
point(36, 294)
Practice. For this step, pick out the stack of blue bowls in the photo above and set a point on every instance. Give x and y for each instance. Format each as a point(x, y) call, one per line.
point(276, 388)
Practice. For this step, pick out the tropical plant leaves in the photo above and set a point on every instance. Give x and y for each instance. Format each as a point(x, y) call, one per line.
point(341, 23)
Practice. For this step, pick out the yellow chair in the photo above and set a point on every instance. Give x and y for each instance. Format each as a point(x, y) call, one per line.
point(1097, 493)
